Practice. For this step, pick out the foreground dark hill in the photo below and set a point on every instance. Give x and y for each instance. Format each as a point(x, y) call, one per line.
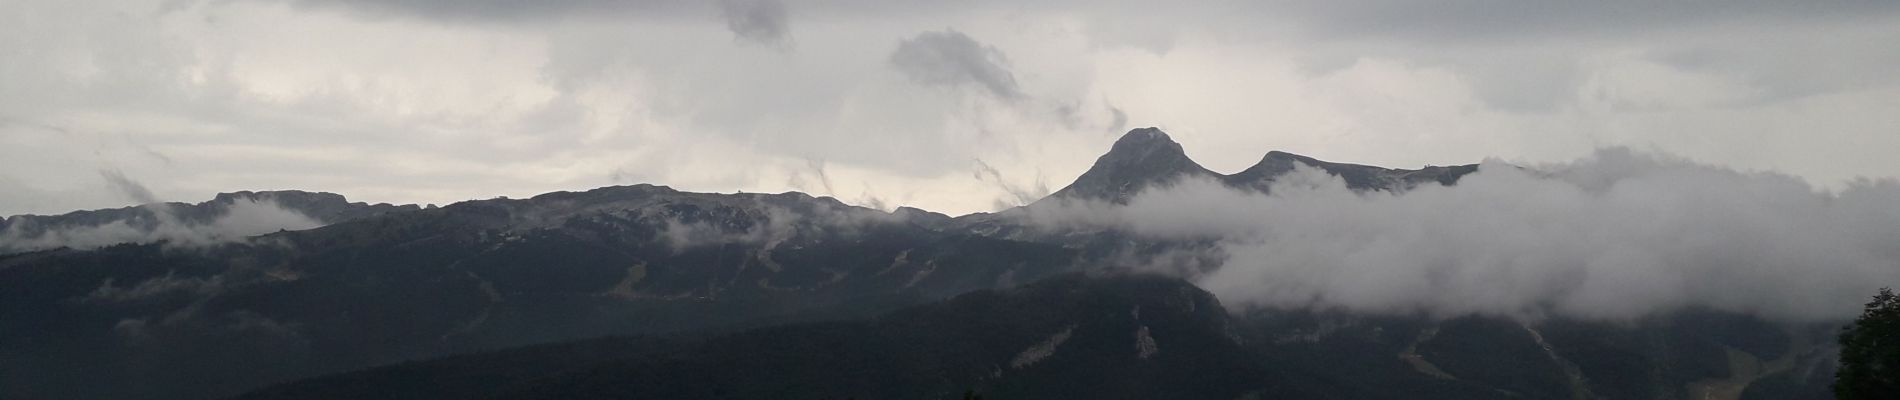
point(1117, 335)
point(1067, 337)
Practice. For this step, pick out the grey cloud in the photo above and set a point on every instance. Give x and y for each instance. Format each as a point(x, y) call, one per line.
point(23, 199)
point(1504, 20)
point(870, 200)
point(1118, 120)
point(759, 21)
point(124, 186)
point(1132, 22)
point(1017, 194)
point(816, 167)
point(951, 58)
point(1616, 236)
point(1533, 56)
point(500, 10)
point(243, 219)
point(155, 154)
point(624, 176)
point(1132, 30)
point(1783, 65)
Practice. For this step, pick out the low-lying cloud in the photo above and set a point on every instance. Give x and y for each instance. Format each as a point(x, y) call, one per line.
point(243, 218)
point(1615, 236)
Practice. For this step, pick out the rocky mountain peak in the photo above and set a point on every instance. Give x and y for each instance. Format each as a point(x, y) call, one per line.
point(1141, 158)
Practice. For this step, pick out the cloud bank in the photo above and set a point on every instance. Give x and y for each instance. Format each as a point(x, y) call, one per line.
point(1617, 235)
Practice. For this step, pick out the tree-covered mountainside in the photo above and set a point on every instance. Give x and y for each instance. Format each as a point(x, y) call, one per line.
point(1870, 351)
point(648, 292)
point(1071, 336)
point(164, 322)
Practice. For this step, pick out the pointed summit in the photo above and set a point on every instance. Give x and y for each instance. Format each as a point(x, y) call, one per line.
point(1141, 136)
point(1141, 158)
point(1145, 146)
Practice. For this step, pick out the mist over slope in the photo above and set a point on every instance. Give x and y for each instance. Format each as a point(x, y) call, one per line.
point(243, 218)
point(227, 218)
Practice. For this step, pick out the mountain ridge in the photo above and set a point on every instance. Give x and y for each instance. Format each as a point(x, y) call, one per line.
point(1140, 159)
point(1148, 157)
point(481, 275)
point(227, 216)
point(325, 206)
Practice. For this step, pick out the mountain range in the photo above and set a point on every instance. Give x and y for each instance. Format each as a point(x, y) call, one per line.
point(648, 292)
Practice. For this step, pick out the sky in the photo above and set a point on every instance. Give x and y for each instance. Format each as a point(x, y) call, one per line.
point(956, 107)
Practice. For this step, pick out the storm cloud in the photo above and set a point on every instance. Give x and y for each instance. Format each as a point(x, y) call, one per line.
point(1618, 235)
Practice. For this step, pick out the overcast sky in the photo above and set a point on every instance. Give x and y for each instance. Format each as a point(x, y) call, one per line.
point(954, 106)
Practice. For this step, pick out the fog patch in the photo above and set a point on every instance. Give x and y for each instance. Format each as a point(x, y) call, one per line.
point(764, 224)
point(169, 284)
point(1618, 235)
point(1041, 350)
